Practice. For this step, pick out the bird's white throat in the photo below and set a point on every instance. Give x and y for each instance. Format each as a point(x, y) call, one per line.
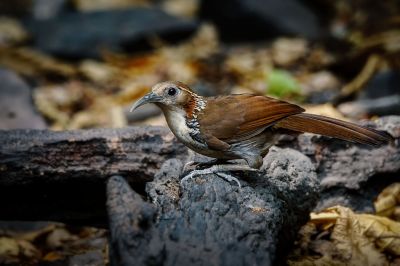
point(178, 123)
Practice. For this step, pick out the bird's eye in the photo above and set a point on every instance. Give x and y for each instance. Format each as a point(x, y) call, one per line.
point(171, 91)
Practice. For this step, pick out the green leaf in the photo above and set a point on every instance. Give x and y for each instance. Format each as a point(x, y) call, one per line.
point(282, 84)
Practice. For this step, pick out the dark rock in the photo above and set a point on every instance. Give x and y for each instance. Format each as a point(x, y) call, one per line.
point(381, 96)
point(129, 219)
point(16, 106)
point(382, 84)
point(210, 221)
point(353, 175)
point(78, 35)
point(240, 20)
point(46, 9)
point(16, 7)
point(388, 105)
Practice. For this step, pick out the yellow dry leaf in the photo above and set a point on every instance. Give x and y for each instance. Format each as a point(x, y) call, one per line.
point(287, 51)
point(183, 8)
point(345, 238)
point(30, 62)
point(13, 250)
point(59, 237)
point(31, 236)
point(11, 31)
point(97, 72)
point(388, 200)
point(351, 242)
point(28, 250)
point(324, 109)
point(8, 247)
point(383, 231)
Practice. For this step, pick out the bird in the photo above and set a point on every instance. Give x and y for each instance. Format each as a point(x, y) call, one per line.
point(242, 126)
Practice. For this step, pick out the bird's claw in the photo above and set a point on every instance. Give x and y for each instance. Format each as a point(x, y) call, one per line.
point(187, 167)
point(219, 170)
point(229, 178)
point(194, 173)
point(186, 178)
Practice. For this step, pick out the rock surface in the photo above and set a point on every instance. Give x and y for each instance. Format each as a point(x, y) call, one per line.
point(260, 19)
point(383, 84)
point(82, 35)
point(381, 96)
point(209, 221)
point(16, 106)
point(353, 175)
point(46, 9)
point(388, 105)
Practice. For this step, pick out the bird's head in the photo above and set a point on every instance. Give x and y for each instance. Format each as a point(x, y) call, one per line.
point(169, 95)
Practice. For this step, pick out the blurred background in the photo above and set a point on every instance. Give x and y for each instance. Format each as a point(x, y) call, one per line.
point(72, 64)
point(69, 64)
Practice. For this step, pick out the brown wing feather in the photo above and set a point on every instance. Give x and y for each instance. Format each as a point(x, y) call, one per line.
point(334, 128)
point(243, 116)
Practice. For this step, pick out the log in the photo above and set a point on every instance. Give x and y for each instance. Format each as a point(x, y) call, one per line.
point(61, 176)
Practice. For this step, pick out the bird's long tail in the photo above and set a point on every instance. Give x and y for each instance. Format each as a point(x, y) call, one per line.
point(333, 128)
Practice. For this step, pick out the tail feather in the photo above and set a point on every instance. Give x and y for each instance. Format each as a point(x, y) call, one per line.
point(334, 128)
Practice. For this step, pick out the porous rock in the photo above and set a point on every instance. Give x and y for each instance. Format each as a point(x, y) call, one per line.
point(381, 97)
point(209, 221)
point(352, 175)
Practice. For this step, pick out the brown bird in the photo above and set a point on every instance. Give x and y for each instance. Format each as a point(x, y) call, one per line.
point(242, 126)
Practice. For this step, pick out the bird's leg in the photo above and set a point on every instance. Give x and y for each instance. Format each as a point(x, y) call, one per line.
point(229, 178)
point(211, 163)
point(196, 165)
point(205, 164)
point(219, 170)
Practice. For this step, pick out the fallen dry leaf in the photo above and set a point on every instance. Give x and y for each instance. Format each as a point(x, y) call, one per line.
point(183, 8)
point(325, 109)
point(337, 236)
point(32, 63)
point(13, 251)
point(388, 202)
point(49, 243)
point(11, 32)
point(8, 247)
point(286, 52)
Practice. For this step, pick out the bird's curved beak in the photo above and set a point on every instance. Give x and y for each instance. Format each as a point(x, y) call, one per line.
point(148, 98)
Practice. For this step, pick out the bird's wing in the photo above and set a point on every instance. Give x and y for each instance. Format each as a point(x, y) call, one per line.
point(234, 118)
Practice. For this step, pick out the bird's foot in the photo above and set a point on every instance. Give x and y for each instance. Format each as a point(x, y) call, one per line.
point(192, 165)
point(229, 178)
point(187, 167)
point(219, 170)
